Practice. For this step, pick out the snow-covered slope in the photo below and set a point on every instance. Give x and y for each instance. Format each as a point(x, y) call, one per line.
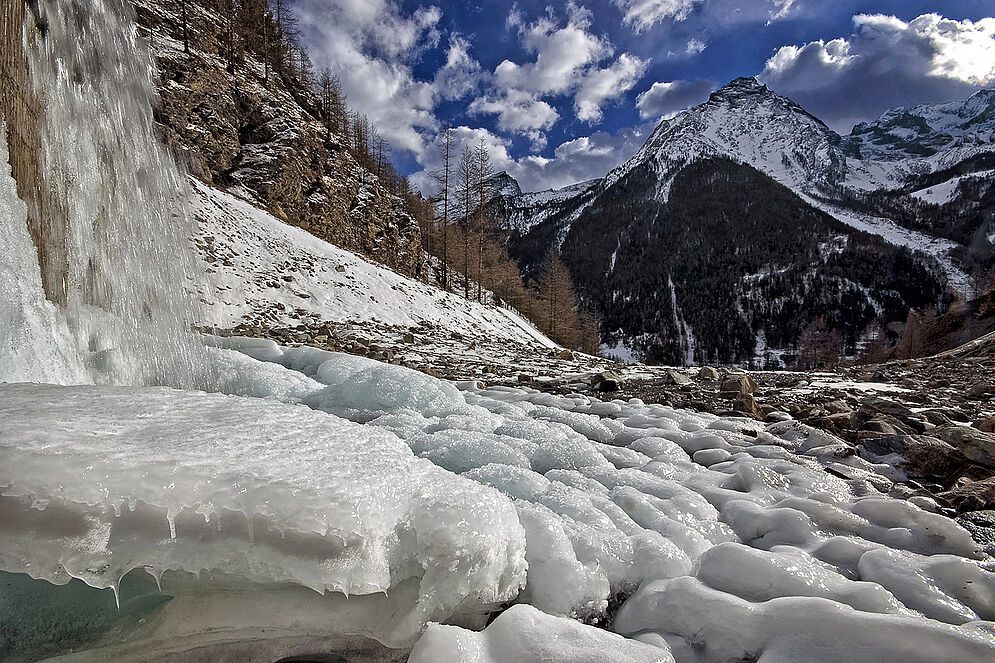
point(928, 136)
point(265, 272)
point(520, 212)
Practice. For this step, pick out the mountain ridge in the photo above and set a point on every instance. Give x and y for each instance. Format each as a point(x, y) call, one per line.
point(747, 123)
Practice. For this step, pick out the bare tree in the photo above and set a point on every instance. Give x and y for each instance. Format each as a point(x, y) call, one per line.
point(465, 188)
point(443, 177)
point(229, 11)
point(482, 173)
point(819, 346)
point(306, 71)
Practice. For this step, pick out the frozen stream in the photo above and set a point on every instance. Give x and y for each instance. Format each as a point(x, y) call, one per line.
point(348, 476)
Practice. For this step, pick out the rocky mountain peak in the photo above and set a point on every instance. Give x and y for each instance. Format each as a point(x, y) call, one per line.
point(748, 122)
point(740, 87)
point(503, 184)
point(948, 133)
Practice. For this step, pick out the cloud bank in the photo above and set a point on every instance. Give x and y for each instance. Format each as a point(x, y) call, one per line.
point(884, 63)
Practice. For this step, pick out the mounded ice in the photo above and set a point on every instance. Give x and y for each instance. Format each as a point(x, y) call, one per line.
point(523, 633)
point(100, 480)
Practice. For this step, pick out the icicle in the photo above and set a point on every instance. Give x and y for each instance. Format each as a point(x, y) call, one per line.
point(156, 574)
point(171, 519)
point(116, 588)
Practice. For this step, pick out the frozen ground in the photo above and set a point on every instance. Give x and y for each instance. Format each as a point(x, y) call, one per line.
point(723, 539)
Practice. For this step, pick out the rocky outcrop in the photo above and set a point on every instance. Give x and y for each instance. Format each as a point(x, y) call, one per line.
point(261, 139)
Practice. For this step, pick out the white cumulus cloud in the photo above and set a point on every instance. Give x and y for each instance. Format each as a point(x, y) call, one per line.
point(642, 15)
point(885, 62)
point(667, 98)
point(369, 45)
point(567, 60)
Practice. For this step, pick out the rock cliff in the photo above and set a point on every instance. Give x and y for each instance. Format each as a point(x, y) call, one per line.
point(259, 136)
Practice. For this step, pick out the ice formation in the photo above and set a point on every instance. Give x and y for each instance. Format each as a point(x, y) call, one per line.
point(115, 227)
point(101, 480)
point(309, 504)
point(349, 475)
point(33, 332)
point(523, 633)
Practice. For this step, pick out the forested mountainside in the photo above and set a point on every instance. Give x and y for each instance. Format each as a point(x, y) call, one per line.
point(745, 230)
point(242, 107)
point(751, 268)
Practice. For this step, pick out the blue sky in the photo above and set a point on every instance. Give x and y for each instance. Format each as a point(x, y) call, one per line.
point(563, 92)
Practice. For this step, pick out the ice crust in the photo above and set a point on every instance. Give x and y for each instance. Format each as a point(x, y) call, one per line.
point(523, 633)
point(355, 476)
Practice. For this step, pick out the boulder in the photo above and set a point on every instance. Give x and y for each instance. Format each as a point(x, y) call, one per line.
point(981, 391)
point(708, 373)
point(837, 407)
point(607, 381)
point(981, 525)
point(986, 425)
point(922, 456)
point(746, 404)
point(977, 445)
point(929, 457)
point(675, 378)
point(566, 355)
point(878, 427)
point(936, 417)
point(874, 407)
point(739, 383)
point(974, 496)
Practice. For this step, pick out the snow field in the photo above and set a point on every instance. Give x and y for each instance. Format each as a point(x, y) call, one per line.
point(263, 270)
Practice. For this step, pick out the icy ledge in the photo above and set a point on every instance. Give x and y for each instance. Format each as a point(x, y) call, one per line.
point(101, 480)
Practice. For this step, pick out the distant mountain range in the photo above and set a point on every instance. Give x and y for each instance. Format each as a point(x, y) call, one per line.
point(745, 223)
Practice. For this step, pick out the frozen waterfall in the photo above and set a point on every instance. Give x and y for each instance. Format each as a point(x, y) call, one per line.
point(110, 222)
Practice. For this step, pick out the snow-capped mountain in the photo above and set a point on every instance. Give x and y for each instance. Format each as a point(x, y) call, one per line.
point(748, 122)
point(918, 179)
point(941, 134)
point(521, 211)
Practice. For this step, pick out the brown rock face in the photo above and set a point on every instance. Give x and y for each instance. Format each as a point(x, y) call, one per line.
point(974, 496)
point(739, 382)
point(264, 142)
point(22, 114)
